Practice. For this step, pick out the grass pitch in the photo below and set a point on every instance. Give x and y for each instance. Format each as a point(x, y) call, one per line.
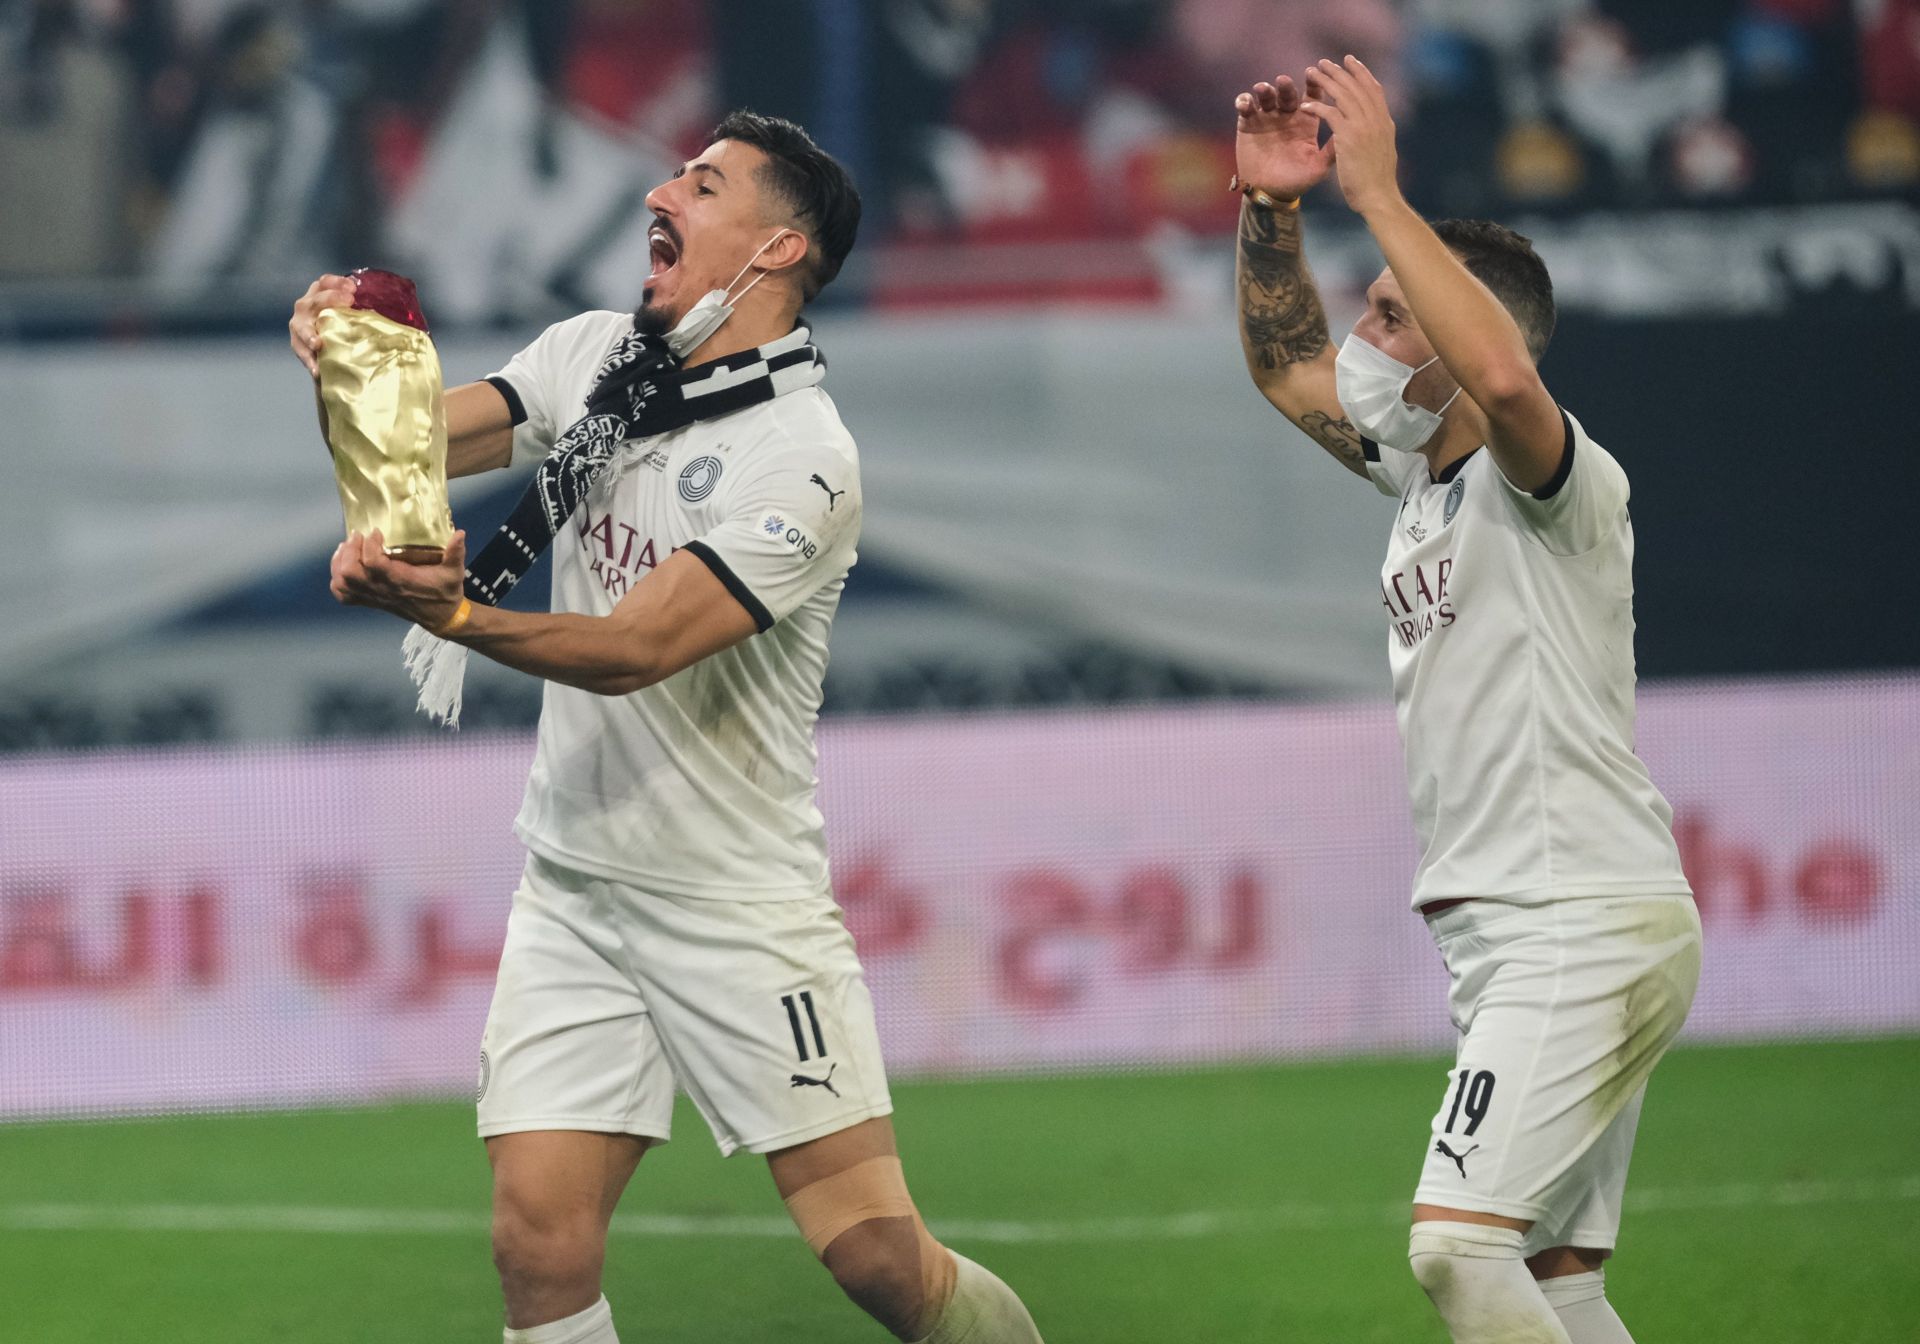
point(1774, 1198)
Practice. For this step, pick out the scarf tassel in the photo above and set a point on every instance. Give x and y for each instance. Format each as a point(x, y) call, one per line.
point(439, 668)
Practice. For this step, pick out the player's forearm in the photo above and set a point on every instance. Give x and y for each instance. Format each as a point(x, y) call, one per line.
point(1475, 336)
point(479, 429)
point(1283, 325)
point(1283, 332)
point(602, 654)
point(471, 456)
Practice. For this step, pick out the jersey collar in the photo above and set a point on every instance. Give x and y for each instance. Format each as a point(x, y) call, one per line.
point(1453, 468)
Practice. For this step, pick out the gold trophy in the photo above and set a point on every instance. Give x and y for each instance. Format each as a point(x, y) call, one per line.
point(386, 423)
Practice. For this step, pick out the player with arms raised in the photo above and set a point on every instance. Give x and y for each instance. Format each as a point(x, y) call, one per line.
point(675, 922)
point(1548, 872)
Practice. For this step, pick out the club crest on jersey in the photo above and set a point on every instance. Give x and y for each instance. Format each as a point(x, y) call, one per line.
point(1454, 496)
point(698, 478)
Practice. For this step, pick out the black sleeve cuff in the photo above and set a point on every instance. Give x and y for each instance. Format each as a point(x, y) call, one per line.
point(762, 618)
point(1565, 469)
point(515, 407)
point(1369, 449)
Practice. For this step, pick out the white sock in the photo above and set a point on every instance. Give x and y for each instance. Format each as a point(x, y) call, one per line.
point(982, 1310)
point(1480, 1285)
point(592, 1326)
point(1580, 1301)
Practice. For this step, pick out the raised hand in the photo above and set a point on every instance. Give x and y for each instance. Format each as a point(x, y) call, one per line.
point(1276, 143)
point(329, 291)
point(1350, 100)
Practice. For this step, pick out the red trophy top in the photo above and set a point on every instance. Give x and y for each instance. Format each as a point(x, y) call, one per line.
point(392, 296)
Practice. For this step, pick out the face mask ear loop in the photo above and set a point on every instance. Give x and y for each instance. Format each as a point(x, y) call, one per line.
point(763, 275)
point(1457, 388)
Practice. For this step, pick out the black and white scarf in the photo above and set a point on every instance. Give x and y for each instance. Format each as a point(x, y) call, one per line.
point(639, 391)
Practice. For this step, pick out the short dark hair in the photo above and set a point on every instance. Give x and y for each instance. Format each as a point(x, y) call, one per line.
point(808, 180)
point(1505, 262)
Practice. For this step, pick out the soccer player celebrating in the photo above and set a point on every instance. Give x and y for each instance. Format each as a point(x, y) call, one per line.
point(675, 923)
point(1548, 872)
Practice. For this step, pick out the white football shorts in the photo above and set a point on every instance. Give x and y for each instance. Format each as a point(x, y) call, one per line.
point(608, 996)
point(1563, 1010)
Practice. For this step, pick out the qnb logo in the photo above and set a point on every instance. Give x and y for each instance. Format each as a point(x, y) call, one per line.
point(698, 478)
point(776, 526)
point(802, 543)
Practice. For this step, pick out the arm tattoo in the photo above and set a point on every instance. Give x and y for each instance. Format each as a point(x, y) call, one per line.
point(1281, 320)
point(1338, 437)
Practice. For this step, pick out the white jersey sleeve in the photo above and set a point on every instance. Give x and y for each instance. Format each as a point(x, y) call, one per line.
point(542, 384)
point(789, 530)
point(1389, 469)
point(1571, 513)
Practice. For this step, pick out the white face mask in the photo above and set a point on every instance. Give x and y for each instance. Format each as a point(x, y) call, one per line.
point(714, 308)
point(1372, 386)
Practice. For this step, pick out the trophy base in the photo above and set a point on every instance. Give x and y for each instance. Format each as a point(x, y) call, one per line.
point(417, 555)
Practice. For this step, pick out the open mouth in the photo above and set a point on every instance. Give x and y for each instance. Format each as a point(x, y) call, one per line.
point(664, 252)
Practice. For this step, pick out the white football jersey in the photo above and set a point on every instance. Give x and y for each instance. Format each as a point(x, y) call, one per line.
point(1510, 633)
point(701, 785)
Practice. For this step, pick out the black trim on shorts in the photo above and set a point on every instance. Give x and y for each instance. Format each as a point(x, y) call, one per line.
point(1565, 469)
point(762, 618)
point(515, 407)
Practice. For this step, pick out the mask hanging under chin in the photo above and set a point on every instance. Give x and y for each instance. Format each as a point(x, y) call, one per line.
point(713, 308)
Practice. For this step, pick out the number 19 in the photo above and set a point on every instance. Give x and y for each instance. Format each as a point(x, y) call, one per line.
point(1475, 1094)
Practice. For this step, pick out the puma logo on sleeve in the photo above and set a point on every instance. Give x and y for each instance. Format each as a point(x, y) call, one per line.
point(832, 494)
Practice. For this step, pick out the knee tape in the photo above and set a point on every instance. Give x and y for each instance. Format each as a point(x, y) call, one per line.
point(875, 1188)
point(1476, 1279)
point(1570, 1290)
point(1475, 1241)
point(1434, 1247)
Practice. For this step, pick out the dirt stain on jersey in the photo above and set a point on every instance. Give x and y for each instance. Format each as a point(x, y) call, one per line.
point(711, 703)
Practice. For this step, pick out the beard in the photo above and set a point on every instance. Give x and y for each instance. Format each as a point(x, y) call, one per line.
point(649, 319)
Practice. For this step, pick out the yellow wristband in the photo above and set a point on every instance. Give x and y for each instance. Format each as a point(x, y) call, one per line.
point(1261, 197)
point(461, 615)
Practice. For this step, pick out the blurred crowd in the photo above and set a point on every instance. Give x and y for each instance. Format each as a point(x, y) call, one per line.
point(197, 140)
point(1652, 102)
point(206, 138)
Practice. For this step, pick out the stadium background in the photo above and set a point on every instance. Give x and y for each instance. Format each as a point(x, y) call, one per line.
point(1111, 781)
